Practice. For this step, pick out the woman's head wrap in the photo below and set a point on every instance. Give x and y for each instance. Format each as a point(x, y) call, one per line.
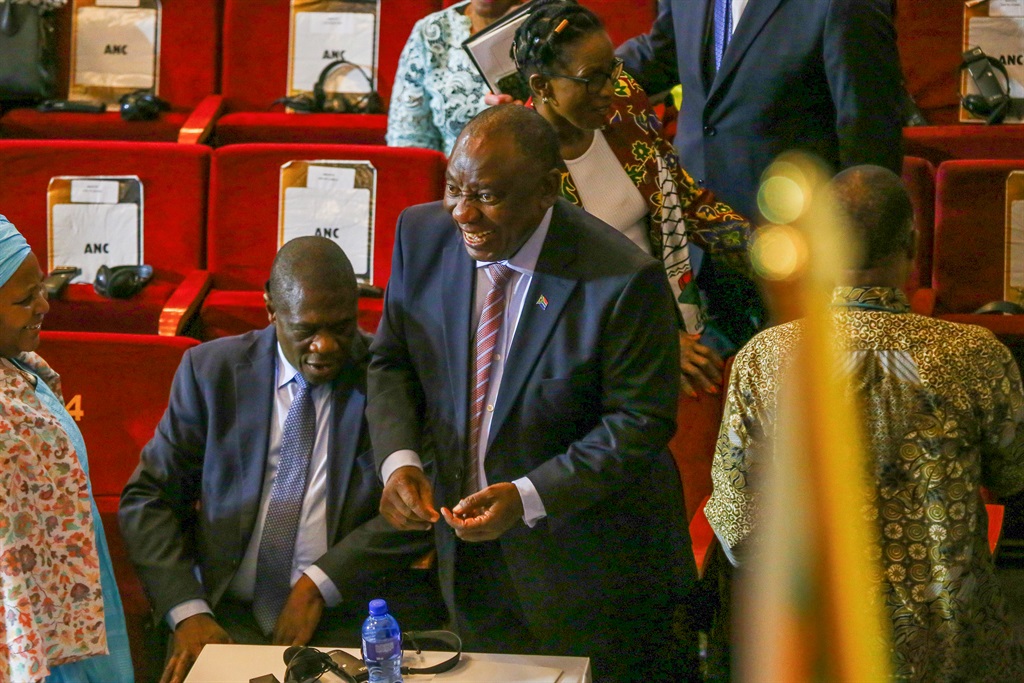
point(13, 250)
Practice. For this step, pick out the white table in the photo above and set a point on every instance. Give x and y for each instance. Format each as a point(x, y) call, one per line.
point(240, 663)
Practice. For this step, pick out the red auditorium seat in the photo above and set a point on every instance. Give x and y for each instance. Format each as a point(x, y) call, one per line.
point(968, 254)
point(189, 47)
point(919, 177)
point(255, 68)
point(243, 221)
point(96, 385)
point(175, 181)
point(623, 20)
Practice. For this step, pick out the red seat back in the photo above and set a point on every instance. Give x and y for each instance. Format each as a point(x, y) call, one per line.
point(970, 224)
point(245, 182)
point(254, 67)
point(174, 178)
point(919, 177)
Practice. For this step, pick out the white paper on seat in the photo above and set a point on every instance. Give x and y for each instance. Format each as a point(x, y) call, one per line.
point(1006, 8)
point(328, 178)
point(115, 47)
point(94, 191)
point(321, 38)
point(483, 670)
point(93, 235)
point(1015, 245)
point(342, 215)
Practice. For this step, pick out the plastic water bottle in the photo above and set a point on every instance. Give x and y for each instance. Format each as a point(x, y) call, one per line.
point(382, 644)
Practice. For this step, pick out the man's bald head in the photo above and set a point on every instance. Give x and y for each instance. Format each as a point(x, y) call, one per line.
point(533, 137)
point(306, 263)
point(879, 213)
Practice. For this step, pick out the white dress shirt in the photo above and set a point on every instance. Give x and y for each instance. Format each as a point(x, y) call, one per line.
point(737, 10)
point(524, 263)
point(311, 539)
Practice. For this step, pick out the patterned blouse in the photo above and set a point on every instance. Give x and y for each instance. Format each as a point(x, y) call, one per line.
point(437, 88)
point(61, 608)
point(679, 210)
point(944, 410)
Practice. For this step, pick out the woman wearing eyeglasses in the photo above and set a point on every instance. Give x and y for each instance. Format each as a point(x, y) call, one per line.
point(620, 168)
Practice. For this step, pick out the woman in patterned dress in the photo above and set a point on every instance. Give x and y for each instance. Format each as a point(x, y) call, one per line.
point(62, 618)
point(621, 168)
point(437, 88)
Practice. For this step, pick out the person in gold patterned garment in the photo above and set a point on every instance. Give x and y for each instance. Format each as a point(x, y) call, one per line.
point(620, 167)
point(944, 411)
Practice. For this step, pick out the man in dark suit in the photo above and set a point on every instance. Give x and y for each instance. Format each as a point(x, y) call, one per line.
point(252, 514)
point(563, 530)
point(761, 77)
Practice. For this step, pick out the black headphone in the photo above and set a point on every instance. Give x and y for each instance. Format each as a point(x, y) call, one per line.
point(142, 105)
point(309, 664)
point(121, 282)
point(994, 99)
point(339, 103)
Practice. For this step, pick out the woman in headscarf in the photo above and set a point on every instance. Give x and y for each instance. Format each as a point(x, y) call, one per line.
point(62, 619)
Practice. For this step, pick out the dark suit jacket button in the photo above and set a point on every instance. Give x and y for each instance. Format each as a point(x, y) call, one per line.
point(710, 131)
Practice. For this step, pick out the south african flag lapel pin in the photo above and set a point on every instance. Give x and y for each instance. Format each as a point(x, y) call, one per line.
point(543, 302)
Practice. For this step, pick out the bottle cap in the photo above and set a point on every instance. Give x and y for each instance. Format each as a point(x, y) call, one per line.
point(378, 607)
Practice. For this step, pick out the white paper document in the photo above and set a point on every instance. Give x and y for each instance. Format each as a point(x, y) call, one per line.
point(490, 52)
point(94, 235)
point(1001, 38)
point(1015, 245)
point(116, 47)
point(89, 191)
point(329, 178)
point(1006, 8)
point(341, 214)
point(323, 37)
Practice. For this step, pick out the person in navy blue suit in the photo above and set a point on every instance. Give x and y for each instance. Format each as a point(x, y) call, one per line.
point(556, 506)
point(195, 513)
point(817, 75)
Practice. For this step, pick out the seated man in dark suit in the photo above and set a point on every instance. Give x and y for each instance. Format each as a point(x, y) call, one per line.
point(252, 516)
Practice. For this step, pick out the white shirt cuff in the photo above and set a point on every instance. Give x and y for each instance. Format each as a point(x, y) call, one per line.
point(402, 458)
point(183, 611)
point(327, 588)
point(533, 506)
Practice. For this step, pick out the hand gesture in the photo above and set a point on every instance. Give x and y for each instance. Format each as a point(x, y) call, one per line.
point(490, 99)
point(487, 514)
point(190, 636)
point(408, 500)
point(301, 614)
point(699, 366)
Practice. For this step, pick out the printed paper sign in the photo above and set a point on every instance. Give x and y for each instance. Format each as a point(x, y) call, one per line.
point(94, 191)
point(115, 47)
point(1001, 38)
point(93, 235)
point(1015, 244)
point(329, 178)
point(1006, 8)
point(323, 37)
point(342, 215)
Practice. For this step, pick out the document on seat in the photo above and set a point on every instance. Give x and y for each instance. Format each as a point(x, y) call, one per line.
point(1013, 284)
point(1002, 38)
point(324, 31)
point(332, 199)
point(94, 221)
point(115, 47)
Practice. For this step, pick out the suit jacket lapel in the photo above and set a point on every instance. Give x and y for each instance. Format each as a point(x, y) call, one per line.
point(753, 19)
point(696, 16)
point(254, 392)
point(344, 436)
point(458, 288)
point(554, 280)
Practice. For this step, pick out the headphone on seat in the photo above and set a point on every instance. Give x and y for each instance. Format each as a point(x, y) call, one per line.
point(993, 100)
point(121, 282)
point(338, 103)
point(142, 105)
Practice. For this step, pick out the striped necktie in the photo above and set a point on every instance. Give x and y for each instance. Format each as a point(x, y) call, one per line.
point(277, 545)
point(723, 29)
point(487, 332)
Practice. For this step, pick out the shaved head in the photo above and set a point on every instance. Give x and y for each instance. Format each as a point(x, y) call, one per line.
point(878, 208)
point(310, 263)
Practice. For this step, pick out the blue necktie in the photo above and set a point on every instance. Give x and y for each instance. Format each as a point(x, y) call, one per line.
point(277, 546)
point(722, 28)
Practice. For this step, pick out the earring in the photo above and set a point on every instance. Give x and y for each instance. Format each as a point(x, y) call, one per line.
point(544, 99)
